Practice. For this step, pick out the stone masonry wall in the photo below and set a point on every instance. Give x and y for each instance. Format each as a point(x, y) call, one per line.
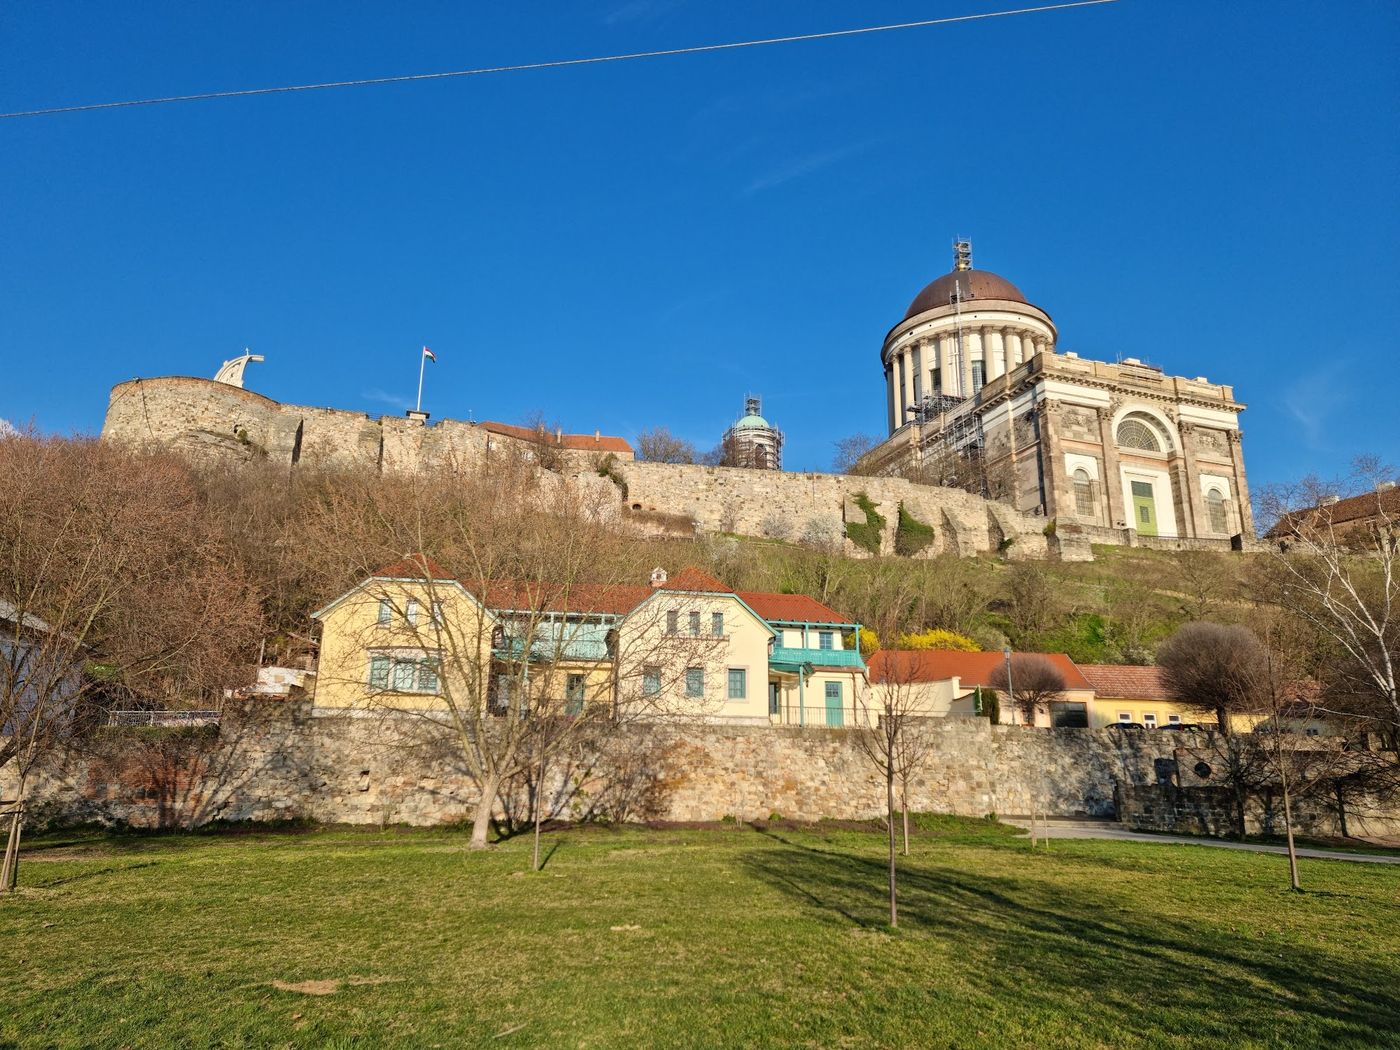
point(753, 502)
point(276, 759)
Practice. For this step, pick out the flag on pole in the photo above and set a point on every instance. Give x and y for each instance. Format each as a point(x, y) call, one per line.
point(430, 355)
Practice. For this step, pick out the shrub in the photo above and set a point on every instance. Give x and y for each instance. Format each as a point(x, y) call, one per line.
point(939, 638)
point(911, 535)
point(866, 535)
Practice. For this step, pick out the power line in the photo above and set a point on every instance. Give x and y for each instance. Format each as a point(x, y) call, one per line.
point(557, 64)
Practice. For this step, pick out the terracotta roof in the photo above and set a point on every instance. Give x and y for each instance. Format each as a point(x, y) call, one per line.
point(693, 579)
point(1344, 511)
point(414, 567)
point(798, 608)
point(974, 284)
point(580, 442)
point(972, 669)
point(1125, 683)
point(614, 599)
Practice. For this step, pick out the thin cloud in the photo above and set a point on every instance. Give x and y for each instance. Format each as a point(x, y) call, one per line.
point(639, 11)
point(1313, 400)
point(801, 167)
point(393, 400)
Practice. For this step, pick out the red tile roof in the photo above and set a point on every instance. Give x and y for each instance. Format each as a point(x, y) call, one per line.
point(1127, 683)
point(616, 599)
point(972, 669)
point(1372, 504)
point(693, 579)
point(798, 608)
point(414, 567)
point(579, 442)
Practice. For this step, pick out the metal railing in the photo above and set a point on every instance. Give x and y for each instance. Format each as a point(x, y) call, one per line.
point(818, 657)
point(815, 714)
point(162, 718)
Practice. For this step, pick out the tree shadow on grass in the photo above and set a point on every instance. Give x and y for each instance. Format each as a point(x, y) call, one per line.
point(1050, 948)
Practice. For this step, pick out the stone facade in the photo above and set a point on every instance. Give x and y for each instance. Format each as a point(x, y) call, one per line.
point(816, 506)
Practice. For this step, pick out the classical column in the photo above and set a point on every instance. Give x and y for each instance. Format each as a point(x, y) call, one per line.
point(995, 364)
point(1051, 458)
point(947, 362)
point(907, 357)
point(889, 397)
point(1112, 480)
point(1013, 348)
point(916, 358)
point(1191, 498)
point(1241, 493)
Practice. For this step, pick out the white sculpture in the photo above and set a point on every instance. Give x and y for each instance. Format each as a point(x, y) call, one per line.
point(232, 371)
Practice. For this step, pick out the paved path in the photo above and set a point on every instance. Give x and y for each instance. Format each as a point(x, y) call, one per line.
point(1093, 830)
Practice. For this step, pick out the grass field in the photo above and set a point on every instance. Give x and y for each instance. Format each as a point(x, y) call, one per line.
point(722, 937)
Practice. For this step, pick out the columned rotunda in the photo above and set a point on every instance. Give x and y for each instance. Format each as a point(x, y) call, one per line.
point(978, 395)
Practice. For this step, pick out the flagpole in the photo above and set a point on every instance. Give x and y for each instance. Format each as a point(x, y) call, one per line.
point(422, 362)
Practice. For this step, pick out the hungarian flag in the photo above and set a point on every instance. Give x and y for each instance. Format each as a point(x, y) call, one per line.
point(429, 355)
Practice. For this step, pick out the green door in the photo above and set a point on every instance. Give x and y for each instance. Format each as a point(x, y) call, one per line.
point(834, 715)
point(1144, 509)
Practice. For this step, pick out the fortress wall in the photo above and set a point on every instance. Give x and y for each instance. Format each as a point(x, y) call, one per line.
point(200, 418)
point(756, 502)
point(336, 439)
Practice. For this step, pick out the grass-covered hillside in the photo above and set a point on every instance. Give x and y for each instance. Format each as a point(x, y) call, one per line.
point(726, 937)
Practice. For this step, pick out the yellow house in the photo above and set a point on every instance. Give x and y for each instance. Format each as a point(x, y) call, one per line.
point(1137, 695)
point(412, 637)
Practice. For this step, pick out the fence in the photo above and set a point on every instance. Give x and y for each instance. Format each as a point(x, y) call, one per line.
point(162, 718)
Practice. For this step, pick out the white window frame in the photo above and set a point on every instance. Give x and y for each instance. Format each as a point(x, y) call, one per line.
point(1149, 719)
point(1125, 716)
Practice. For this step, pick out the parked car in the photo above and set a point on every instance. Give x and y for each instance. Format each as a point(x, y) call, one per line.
point(1125, 726)
point(1186, 727)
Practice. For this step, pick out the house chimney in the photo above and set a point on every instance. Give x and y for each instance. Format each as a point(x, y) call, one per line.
point(658, 578)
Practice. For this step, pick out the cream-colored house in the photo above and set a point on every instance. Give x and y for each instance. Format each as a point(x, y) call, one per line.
point(686, 646)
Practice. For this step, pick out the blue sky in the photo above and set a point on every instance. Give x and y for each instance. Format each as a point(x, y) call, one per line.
point(1208, 186)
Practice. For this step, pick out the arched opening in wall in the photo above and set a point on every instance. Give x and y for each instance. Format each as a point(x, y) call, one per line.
point(1215, 511)
point(1083, 493)
point(1142, 433)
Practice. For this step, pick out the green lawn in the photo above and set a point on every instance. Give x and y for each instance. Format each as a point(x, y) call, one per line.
point(723, 937)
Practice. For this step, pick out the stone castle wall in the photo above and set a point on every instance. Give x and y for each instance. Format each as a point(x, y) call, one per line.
point(211, 420)
point(791, 505)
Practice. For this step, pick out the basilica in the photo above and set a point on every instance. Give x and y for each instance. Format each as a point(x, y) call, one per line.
point(979, 395)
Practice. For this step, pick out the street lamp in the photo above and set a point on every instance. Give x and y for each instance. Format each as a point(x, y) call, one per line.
point(1010, 692)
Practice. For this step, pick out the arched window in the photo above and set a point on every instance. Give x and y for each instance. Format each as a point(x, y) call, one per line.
point(1083, 494)
point(1134, 433)
point(1215, 511)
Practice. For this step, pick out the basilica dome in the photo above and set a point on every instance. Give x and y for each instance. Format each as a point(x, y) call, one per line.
point(973, 284)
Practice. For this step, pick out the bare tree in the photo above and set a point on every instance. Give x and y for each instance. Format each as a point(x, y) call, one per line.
point(1334, 564)
point(887, 711)
point(1034, 682)
point(659, 445)
point(110, 587)
point(850, 450)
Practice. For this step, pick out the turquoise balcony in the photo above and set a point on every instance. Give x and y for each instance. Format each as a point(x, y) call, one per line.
point(785, 658)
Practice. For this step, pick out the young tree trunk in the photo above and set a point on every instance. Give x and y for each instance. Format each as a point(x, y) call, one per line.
point(539, 789)
point(9, 873)
point(889, 807)
point(481, 823)
point(904, 803)
point(1292, 849)
point(1341, 809)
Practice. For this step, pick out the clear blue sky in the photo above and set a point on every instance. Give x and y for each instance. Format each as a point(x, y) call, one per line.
point(1209, 186)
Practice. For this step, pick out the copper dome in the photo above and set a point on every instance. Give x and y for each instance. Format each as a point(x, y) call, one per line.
point(974, 284)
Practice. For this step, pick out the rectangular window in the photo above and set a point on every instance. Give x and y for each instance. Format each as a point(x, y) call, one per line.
point(411, 612)
point(775, 699)
point(1174, 720)
point(695, 682)
point(437, 613)
point(738, 683)
point(428, 675)
point(404, 676)
point(1125, 716)
point(977, 374)
point(824, 639)
point(378, 671)
point(386, 610)
point(573, 695)
point(777, 639)
point(717, 624)
point(651, 681)
point(673, 622)
point(1149, 720)
point(694, 625)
